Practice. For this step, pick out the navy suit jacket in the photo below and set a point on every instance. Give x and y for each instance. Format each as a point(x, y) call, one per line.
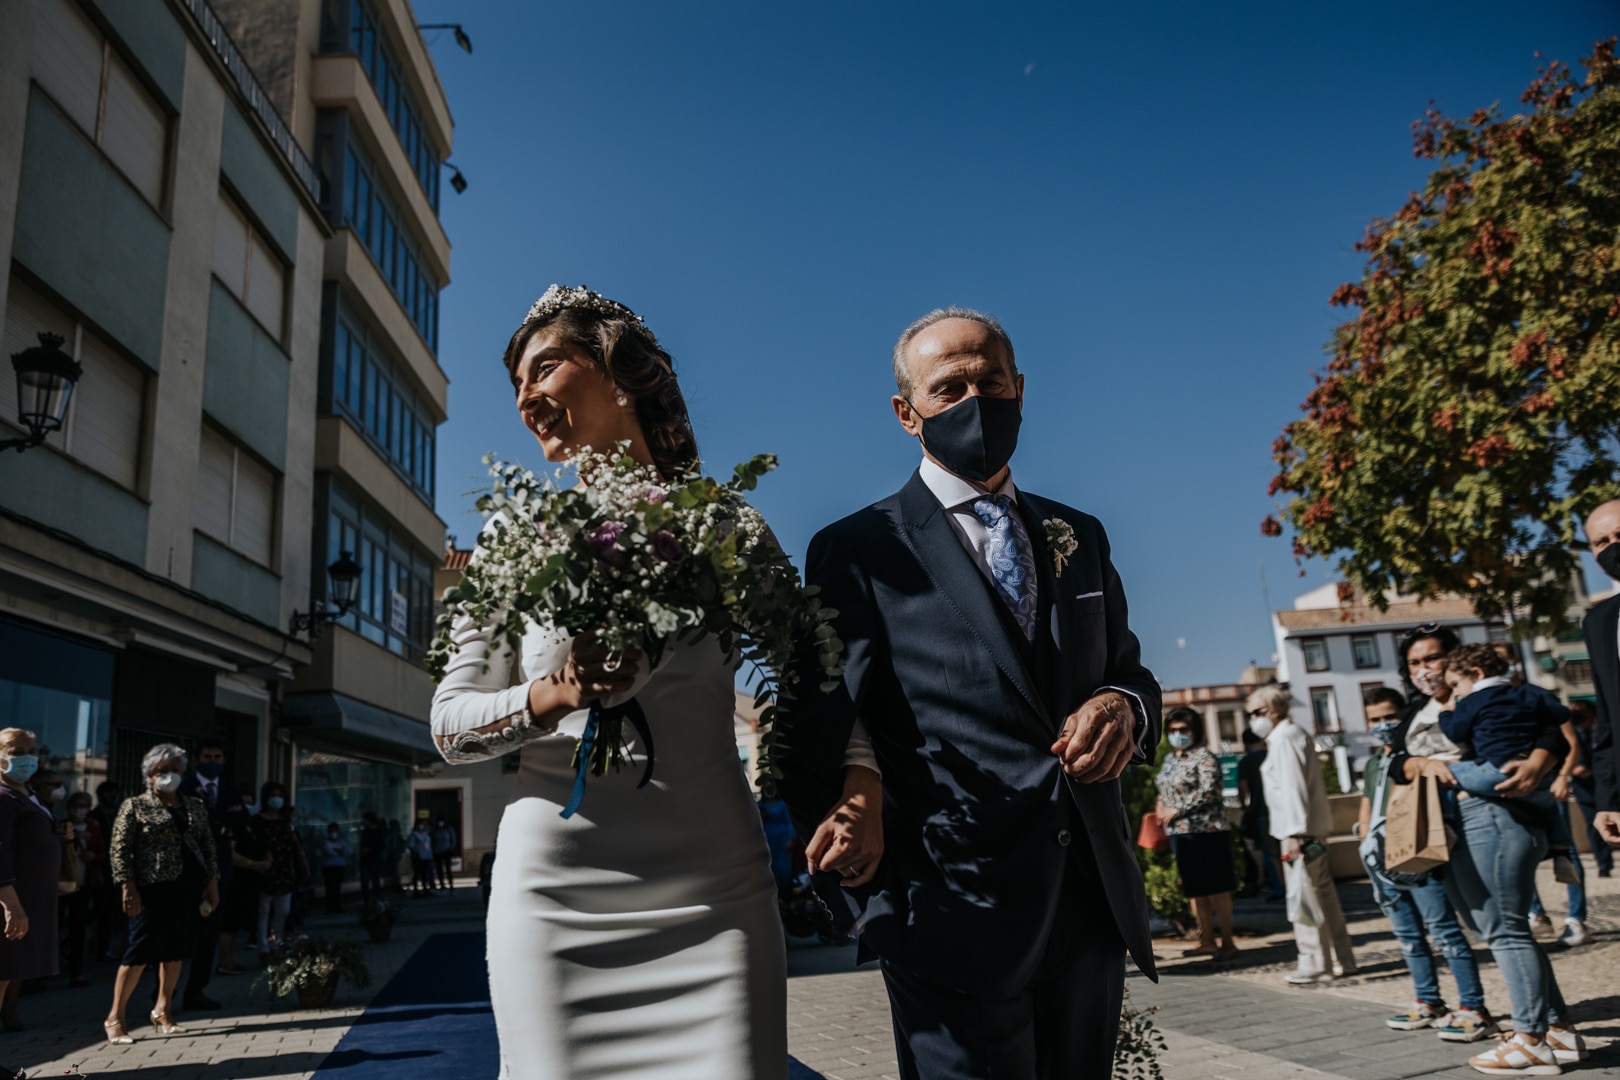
point(978, 816)
point(1602, 626)
point(224, 816)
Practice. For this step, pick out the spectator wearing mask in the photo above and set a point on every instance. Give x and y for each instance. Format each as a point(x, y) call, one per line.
point(444, 849)
point(111, 921)
point(162, 857)
point(420, 844)
point(1255, 825)
point(1296, 798)
point(1573, 870)
point(1602, 627)
point(372, 844)
point(1191, 811)
point(334, 861)
point(273, 834)
point(1417, 907)
point(1582, 781)
point(30, 862)
point(226, 813)
point(89, 850)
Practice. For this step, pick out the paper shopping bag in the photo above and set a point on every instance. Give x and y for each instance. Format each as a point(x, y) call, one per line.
point(1415, 833)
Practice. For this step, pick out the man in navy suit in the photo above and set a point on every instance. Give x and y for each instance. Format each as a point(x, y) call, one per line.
point(225, 812)
point(962, 779)
point(1603, 646)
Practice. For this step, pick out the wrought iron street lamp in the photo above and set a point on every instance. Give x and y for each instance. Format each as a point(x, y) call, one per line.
point(461, 35)
point(343, 577)
point(46, 377)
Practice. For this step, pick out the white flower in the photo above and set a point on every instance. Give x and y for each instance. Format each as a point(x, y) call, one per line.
point(1060, 538)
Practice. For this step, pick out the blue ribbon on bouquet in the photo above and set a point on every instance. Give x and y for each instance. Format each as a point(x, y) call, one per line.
point(631, 710)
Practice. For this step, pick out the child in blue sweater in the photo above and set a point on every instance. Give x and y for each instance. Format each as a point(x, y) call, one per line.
point(1496, 722)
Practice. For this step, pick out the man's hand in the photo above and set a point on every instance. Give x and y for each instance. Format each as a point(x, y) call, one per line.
point(849, 840)
point(1098, 739)
point(1560, 788)
point(1524, 774)
point(1290, 848)
point(1607, 823)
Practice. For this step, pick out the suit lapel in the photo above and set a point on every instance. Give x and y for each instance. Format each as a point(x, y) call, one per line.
point(927, 531)
point(1607, 667)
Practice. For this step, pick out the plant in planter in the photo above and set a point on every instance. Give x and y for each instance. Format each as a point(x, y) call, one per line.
point(1136, 1054)
point(311, 968)
point(377, 919)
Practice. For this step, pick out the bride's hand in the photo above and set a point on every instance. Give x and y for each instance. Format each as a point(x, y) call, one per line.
point(590, 673)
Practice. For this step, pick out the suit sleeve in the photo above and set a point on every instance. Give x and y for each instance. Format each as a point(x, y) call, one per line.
point(814, 734)
point(1605, 781)
point(1125, 672)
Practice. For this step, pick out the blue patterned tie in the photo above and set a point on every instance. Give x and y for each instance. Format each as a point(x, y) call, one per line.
point(1012, 561)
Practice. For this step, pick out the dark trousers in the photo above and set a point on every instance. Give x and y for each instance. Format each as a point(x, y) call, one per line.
point(1586, 798)
point(202, 962)
point(1060, 1027)
point(334, 888)
point(371, 887)
point(421, 874)
point(442, 863)
point(75, 912)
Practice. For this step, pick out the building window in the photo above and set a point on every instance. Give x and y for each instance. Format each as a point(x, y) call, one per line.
point(375, 396)
point(1324, 710)
point(1365, 649)
point(1368, 687)
point(1316, 654)
point(249, 267)
point(367, 210)
point(1577, 671)
point(236, 498)
point(93, 85)
point(395, 605)
point(103, 428)
point(1226, 722)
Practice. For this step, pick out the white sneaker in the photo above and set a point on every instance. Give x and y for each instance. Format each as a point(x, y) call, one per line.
point(1420, 1015)
point(1567, 1044)
point(1466, 1025)
point(1513, 1055)
point(1574, 933)
point(1540, 920)
point(1307, 978)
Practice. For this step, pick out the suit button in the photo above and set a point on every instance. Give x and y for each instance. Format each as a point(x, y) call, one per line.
point(1063, 837)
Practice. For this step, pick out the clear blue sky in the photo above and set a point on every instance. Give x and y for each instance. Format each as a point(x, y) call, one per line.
point(1155, 198)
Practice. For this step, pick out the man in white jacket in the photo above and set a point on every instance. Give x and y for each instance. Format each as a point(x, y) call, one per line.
point(1297, 800)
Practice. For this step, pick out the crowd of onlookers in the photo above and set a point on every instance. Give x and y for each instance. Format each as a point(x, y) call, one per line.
point(175, 876)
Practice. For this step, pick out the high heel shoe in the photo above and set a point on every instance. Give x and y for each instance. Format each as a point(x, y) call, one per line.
point(166, 1028)
point(116, 1033)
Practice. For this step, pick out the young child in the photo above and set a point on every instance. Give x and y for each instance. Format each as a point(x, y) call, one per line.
point(1496, 722)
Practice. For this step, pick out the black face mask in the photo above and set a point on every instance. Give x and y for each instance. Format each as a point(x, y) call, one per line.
point(1609, 559)
point(974, 438)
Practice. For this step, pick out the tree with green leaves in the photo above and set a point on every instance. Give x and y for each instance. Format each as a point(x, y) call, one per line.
point(1469, 412)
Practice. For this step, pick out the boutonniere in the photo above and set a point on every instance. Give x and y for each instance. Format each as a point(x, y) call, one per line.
point(1060, 538)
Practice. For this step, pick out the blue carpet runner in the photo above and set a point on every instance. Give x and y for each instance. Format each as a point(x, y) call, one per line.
point(433, 1019)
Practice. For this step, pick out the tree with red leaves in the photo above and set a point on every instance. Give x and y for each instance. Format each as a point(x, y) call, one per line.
point(1469, 414)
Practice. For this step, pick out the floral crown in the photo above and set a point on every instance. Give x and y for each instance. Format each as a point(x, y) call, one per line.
point(560, 297)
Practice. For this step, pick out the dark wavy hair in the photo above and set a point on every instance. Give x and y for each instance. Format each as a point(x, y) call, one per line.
point(1191, 717)
point(629, 355)
point(1445, 635)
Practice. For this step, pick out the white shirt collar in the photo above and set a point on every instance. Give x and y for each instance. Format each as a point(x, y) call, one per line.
point(203, 780)
point(1492, 680)
point(953, 491)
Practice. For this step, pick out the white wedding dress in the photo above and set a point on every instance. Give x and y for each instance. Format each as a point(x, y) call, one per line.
point(638, 939)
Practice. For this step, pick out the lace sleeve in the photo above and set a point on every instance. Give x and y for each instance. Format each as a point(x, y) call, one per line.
point(479, 710)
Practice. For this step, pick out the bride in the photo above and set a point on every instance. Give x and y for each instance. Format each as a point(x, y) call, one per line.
point(638, 938)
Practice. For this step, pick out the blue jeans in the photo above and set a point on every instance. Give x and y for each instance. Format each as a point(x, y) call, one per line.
point(1490, 880)
point(1586, 798)
point(1577, 892)
point(1410, 912)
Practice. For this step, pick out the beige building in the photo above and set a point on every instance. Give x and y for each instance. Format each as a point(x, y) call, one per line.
point(159, 220)
point(1221, 706)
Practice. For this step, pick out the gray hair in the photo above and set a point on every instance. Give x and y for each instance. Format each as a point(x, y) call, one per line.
point(902, 374)
point(160, 753)
point(1274, 699)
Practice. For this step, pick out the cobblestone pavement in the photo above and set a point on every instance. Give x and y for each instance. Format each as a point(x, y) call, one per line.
point(248, 1039)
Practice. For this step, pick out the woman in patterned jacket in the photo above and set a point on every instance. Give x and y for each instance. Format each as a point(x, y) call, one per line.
point(163, 860)
point(1191, 811)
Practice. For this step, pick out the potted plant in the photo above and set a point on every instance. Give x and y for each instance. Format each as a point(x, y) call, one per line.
point(311, 968)
point(377, 919)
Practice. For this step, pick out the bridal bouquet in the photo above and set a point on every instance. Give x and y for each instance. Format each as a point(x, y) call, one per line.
point(642, 563)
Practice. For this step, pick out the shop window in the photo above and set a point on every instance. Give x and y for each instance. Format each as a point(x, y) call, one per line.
point(93, 85)
point(103, 425)
point(236, 497)
point(61, 690)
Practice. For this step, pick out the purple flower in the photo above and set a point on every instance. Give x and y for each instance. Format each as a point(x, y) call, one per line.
point(656, 495)
point(605, 541)
point(667, 548)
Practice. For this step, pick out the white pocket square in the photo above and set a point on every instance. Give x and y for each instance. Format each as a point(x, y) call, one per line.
point(1088, 595)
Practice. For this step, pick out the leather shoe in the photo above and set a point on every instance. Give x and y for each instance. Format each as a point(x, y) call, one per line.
point(200, 1003)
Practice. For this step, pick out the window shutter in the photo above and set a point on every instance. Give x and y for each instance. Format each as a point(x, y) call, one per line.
point(27, 314)
point(67, 59)
point(230, 246)
point(107, 408)
point(267, 284)
point(216, 472)
point(134, 131)
point(252, 529)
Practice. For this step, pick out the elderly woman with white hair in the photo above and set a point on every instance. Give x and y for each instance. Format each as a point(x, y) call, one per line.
point(163, 859)
point(1296, 797)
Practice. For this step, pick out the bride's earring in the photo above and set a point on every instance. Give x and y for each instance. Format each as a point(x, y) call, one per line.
point(619, 398)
